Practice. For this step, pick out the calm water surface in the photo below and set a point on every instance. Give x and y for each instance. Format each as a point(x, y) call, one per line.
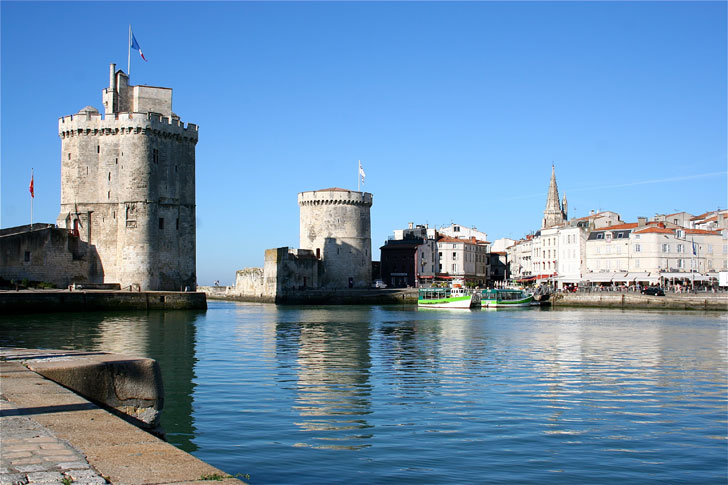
point(396, 395)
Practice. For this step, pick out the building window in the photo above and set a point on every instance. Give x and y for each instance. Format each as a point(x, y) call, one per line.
point(680, 263)
point(637, 264)
point(665, 248)
point(636, 248)
point(27, 256)
point(155, 155)
point(454, 268)
point(679, 248)
point(636, 236)
point(454, 255)
point(318, 253)
point(98, 149)
point(177, 224)
point(161, 222)
point(69, 155)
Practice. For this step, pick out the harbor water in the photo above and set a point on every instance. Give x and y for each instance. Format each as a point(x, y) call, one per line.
point(393, 394)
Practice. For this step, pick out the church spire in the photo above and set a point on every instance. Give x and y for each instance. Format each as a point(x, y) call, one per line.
point(554, 213)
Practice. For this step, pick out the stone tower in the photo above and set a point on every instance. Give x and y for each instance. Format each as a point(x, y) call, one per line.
point(555, 212)
point(128, 186)
point(336, 226)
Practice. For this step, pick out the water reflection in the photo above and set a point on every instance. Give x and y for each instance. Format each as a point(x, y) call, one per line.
point(168, 337)
point(331, 358)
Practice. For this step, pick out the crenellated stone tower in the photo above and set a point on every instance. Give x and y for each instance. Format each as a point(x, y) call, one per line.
point(128, 186)
point(336, 226)
point(555, 212)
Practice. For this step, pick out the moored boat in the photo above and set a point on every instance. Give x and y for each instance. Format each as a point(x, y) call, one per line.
point(455, 297)
point(505, 297)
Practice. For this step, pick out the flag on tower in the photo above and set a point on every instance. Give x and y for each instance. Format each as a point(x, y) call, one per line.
point(135, 46)
point(32, 192)
point(361, 172)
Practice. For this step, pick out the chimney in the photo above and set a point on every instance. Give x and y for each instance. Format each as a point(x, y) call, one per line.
point(641, 221)
point(411, 225)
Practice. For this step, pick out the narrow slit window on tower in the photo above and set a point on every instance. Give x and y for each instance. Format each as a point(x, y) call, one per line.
point(155, 155)
point(109, 176)
point(177, 224)
point(27, 256)
point(161, 222)
point(69, 155)
point(108, 195)
point(98, 149)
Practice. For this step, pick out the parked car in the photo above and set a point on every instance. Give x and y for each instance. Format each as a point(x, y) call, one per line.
point(653, 290)
point(379, 284)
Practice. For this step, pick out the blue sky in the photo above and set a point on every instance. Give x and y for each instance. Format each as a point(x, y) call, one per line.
point(456, 110)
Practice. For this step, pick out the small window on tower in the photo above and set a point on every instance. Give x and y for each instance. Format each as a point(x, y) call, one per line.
point(109, 176)
point(155, 155)
point(98, 149)
point(161, 222)
point(69, 155)
point(108, 195)
point(177, 224)
point(27, 256)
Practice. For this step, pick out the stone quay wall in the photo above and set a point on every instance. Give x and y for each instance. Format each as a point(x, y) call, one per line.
point(50, 301)
point(638, 301)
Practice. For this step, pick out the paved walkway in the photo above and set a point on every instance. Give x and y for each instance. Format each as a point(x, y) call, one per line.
point(49, 434)
point(30, 453)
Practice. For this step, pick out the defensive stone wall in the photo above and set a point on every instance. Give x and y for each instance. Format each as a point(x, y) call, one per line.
point(285, 270)
point(48, 255)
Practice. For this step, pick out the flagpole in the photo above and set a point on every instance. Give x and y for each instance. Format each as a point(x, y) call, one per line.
point(31, 200)
point(128, 54)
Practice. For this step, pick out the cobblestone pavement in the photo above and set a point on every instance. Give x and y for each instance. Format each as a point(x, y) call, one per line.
point(30, 453)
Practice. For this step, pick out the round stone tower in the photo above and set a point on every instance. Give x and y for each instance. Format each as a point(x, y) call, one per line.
point(336, 226)
point(128, 186)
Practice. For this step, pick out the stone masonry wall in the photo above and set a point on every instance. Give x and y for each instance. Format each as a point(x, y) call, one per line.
point(49, 255)
point(128, 187)
point(335, 225)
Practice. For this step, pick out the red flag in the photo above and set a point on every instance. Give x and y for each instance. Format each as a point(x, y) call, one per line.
point(32, 193)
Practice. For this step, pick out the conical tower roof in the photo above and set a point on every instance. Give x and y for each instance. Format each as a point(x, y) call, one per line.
point(553, 215)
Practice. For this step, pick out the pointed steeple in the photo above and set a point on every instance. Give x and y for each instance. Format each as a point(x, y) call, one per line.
point(554, 214)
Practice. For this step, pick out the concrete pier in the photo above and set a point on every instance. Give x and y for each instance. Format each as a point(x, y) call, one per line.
point(51, 434)
point(54, 301)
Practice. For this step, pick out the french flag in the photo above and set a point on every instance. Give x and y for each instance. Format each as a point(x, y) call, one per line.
point(135, 45)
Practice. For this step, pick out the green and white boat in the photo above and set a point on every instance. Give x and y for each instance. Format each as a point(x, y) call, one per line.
point(455, 297)
point(504, 297)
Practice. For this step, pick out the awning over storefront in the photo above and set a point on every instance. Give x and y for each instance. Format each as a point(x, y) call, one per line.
point(600, 277)
point(568, 279)
point(643, 277)
point(684, 276)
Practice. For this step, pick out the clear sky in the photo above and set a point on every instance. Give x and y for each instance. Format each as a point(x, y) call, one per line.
point(456, 110)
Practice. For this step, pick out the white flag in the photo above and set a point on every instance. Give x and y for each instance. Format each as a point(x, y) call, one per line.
point(361, 172)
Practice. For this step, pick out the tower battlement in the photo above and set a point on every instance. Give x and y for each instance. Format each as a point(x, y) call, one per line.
point(334, 196)
point(87, 122)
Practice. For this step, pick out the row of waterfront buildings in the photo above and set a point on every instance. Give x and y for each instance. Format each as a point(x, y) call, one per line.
point(599, 248)
point(128, 218)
